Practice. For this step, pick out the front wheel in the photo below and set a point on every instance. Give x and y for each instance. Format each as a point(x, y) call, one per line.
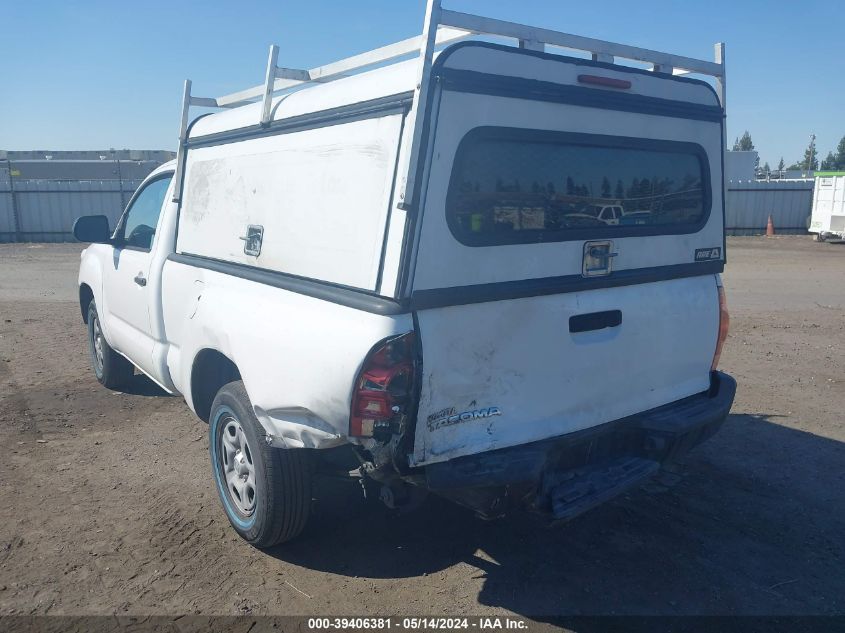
point(111, 369)
point(265, 491)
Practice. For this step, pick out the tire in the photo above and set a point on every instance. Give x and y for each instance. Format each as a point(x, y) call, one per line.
point(111, 369)
point(265, 491)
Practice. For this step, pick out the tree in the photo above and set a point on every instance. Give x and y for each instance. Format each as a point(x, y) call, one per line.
point(744, 143)
point(766, 168)
point(829, 163)
point(646, 191)
point(810, 162)
point(781, 164)
point(840, 155)
point(605, 187)
point(620, 190)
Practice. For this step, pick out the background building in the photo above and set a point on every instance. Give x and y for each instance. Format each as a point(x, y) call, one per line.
point(749, 200)
point(42, 192)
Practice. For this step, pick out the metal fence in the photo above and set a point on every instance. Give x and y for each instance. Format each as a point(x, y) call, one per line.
point(749, 204)
point(37, 210)
point(34, 210)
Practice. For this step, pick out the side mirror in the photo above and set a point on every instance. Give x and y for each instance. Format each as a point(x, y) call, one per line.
point(92, 228)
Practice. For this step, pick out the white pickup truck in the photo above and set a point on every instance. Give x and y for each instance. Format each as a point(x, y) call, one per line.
point(384, 266)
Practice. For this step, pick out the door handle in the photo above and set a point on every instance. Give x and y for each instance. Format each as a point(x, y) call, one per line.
point(140, 279)
point(595, 321)
point(600, 253)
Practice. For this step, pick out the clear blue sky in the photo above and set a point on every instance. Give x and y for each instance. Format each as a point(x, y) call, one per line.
point(105, 73)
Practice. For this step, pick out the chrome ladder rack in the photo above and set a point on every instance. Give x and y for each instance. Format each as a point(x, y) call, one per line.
point(441, 27)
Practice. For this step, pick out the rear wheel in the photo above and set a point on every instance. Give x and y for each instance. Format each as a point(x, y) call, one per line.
point(265, 491)
point(111, 369)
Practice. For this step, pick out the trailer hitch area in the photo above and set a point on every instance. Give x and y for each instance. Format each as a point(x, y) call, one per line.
point(565, 494)
point(398, 495)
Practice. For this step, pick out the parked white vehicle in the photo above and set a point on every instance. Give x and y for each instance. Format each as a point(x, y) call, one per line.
point(607, 213)
point(828, 215)
point(377, 266)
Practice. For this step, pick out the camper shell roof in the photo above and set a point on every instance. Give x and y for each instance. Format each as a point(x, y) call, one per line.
point(397, 80)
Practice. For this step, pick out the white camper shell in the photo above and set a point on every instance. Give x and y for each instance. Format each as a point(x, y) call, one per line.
point(408, 263)
point(828, 216)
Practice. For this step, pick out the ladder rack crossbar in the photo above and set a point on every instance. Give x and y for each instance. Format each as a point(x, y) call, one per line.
point(490, 26)
point(285, 78)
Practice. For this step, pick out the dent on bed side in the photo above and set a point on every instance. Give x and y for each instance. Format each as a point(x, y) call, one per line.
point(297, 427)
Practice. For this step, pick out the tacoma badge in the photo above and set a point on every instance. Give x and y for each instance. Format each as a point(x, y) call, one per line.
point(448, 418)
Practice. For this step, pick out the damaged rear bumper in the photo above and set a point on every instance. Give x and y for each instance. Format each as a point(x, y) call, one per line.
point(564, 476)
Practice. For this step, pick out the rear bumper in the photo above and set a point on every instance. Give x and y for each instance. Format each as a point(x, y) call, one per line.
point(564, 476)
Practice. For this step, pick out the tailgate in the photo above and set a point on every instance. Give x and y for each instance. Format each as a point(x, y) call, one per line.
point(511, 372)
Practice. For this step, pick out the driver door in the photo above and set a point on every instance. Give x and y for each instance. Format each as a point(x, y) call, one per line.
point(126, 296)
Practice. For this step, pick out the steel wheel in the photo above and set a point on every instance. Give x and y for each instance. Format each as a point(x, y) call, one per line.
point(99, 342)
point(237, 466)
point(111, 369)
point(265, 491)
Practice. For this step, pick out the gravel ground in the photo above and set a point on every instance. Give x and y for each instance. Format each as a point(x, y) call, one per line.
point(108, 505)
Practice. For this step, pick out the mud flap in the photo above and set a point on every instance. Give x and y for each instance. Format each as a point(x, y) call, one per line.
point(567, 494)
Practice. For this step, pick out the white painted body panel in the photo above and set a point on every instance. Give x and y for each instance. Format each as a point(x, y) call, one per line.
point(130, 315)
point(828, 214)
point(298, 356)
point(519, 356)
point(126, 306)
point(322, 196)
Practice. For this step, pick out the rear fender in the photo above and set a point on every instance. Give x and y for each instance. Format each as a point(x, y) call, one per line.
point(298, 370)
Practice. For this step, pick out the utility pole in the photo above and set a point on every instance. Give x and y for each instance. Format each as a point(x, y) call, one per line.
point(811, 152)
point(16, 218)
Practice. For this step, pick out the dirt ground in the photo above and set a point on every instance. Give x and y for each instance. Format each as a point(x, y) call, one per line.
point(108, 505)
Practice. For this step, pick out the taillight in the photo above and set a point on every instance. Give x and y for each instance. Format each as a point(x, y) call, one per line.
point(382, 391)
point(724, 324)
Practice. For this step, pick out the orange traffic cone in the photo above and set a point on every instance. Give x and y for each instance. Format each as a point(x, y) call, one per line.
point(770, 228)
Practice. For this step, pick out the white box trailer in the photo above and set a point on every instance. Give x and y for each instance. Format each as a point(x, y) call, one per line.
point(828, 215)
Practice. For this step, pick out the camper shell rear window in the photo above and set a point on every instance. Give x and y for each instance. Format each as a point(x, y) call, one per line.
point(518, 186)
